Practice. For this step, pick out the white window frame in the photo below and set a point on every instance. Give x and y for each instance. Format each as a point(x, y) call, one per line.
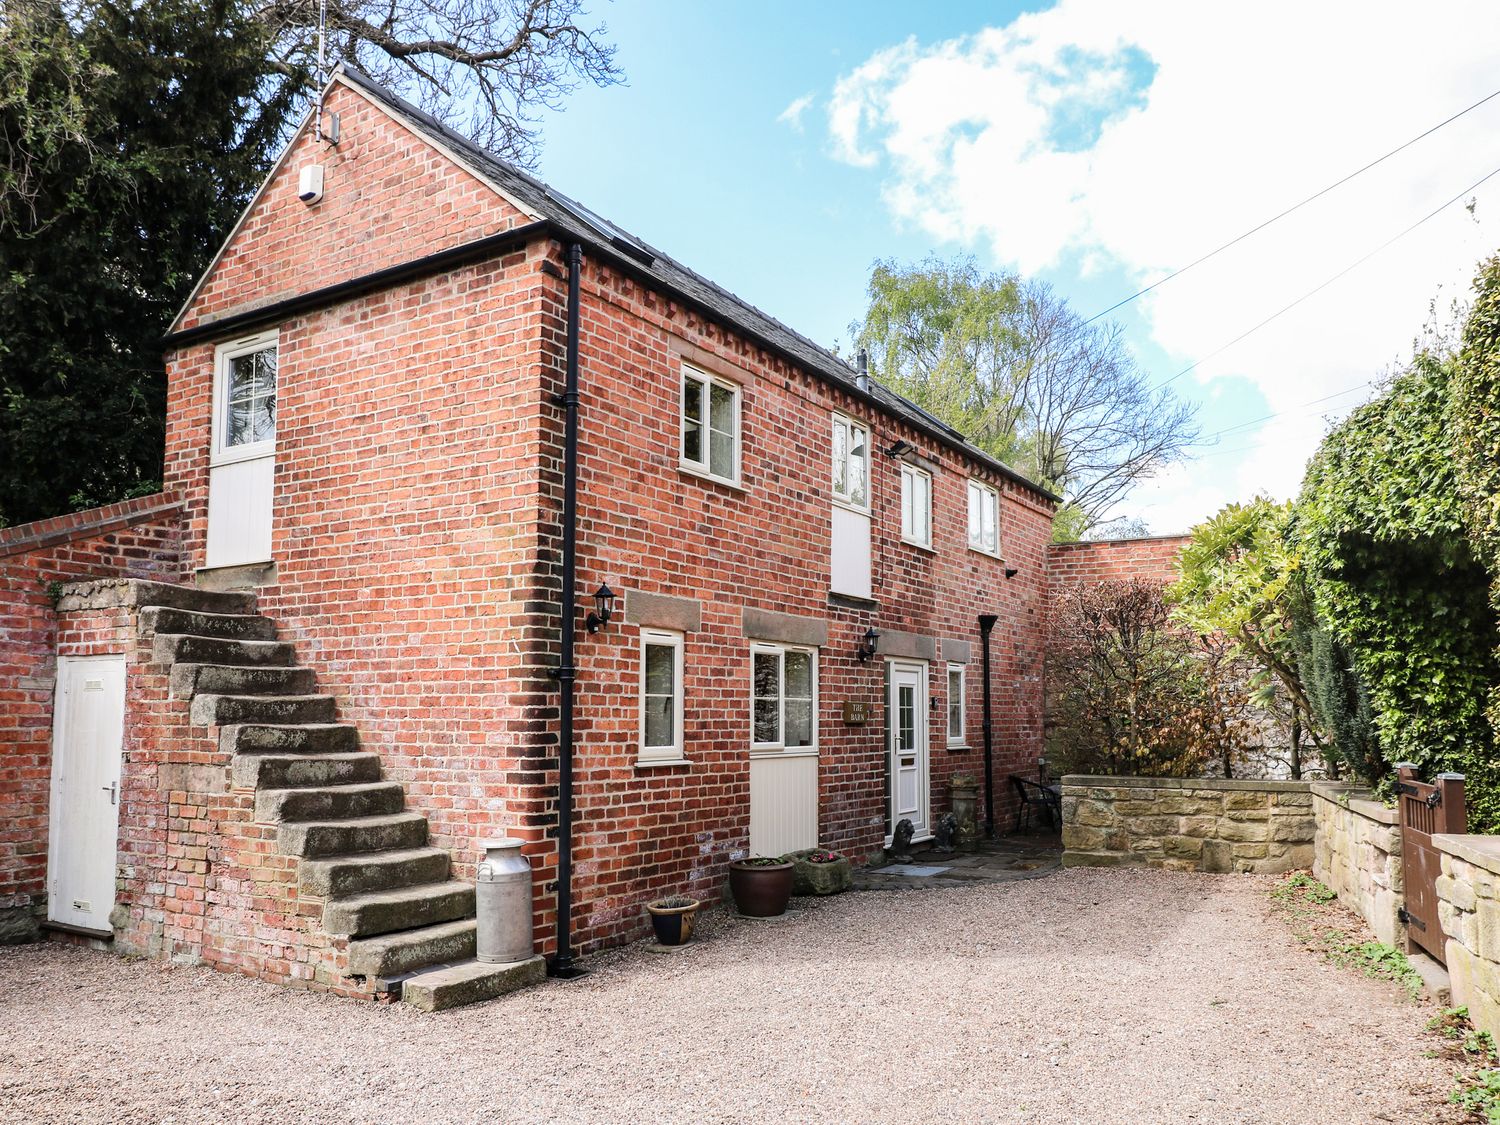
point(961, 738)
point(911, 476)
point(779, 747)
point(658, 754)
point(850, 424)
point(701, 467)
point(224, 355)
point(991, 496)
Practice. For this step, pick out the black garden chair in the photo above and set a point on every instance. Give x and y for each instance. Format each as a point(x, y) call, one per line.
point(1032, 796)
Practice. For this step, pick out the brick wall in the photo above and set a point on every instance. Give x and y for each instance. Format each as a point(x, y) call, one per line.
point(1153, 559)
point(136, 538)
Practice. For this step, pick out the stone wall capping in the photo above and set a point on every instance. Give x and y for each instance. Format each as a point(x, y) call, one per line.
point(1481, 851)
point(1248, 785)
point(1357, 798)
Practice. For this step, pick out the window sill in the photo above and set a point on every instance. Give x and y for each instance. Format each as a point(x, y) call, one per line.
point(704, 475)
point(928, 547)
point(857, 509)
point(778, 752)
point(657, 763)
point(960, 748)
point(987, 554)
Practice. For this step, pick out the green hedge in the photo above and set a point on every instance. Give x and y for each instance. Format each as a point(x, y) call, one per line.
point(1383, 529)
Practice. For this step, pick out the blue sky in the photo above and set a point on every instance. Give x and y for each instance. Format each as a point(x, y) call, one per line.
point(1091, 144)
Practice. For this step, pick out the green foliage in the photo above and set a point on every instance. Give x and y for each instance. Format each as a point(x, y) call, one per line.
point(134, 133)
point(1395, 582)
point(1380, 961)
point(1008, 364)
point(1299, 884)
point(1338, 700)
point(1476, 432)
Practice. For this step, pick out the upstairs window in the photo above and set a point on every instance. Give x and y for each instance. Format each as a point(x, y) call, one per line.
point(245, 416)
point(710, 426)
point(916, 506)
point(956, 714)
point(661, 696)
point(783, 697)
point(851, 462)
point(984, 518)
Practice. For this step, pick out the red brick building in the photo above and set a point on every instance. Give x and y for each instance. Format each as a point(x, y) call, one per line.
point(366, 462)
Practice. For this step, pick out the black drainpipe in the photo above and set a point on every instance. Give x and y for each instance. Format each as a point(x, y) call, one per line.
point(986, 623)
point(562, 963)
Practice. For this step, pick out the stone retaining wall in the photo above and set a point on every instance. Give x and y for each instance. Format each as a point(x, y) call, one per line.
point(1358, 855)
point(1187, 824)
point(1469, 910)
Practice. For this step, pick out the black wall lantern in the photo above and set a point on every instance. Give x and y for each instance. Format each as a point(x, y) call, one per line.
point(867, 645)
point(604, 608)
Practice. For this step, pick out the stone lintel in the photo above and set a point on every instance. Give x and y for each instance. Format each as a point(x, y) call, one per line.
point(663, 611)
point(956, 651)
point(788, 628)
point(913, 646)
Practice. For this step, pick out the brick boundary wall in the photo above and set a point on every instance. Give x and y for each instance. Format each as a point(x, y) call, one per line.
point(1358, 856)
point(1187, 824)
point(137, 538)
point(1153, 558)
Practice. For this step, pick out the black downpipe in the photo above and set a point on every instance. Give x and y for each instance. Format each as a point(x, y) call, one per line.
point(562, 963)
point(986, 623)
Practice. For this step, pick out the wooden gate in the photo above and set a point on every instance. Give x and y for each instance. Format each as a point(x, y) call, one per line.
point(1426, 809)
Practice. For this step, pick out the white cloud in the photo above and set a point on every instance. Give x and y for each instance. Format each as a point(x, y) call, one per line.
point(1098, 135)
point(792, 114)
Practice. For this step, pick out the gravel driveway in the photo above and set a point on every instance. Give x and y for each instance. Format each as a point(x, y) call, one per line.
point(1091, 996)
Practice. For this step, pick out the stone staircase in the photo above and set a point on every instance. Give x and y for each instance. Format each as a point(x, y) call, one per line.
point(410, 925)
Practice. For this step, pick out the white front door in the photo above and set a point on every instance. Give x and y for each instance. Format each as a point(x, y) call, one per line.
point(242, 464)
point(908, 738)
point(88, 731)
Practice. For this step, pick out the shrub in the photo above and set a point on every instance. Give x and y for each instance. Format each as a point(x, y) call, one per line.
point(1397, 585)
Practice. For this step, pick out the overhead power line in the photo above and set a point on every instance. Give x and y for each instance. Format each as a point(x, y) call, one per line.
point(1298, 409)
point(1294, 207)
point(1325, 284)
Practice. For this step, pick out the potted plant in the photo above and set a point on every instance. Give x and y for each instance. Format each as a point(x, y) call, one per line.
point(761, 885)
point(672, 918)
point(819, 871)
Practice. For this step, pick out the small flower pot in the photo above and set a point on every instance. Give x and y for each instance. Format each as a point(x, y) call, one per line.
point(673, 924)
point(761, 890)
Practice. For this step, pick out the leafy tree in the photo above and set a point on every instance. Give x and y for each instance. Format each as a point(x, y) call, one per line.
point(132, 133)
point(1129, 692)
point(126, 157)
point(1011, 366)
point(1242, 578)
point(1396, 581)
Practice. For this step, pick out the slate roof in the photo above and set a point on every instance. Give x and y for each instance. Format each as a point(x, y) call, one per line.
point(573, 219)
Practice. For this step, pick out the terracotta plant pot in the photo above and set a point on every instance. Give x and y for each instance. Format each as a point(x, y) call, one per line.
point(673, 924)
point(761, 890)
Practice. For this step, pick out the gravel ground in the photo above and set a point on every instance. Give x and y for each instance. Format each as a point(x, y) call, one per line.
point(1092, 996)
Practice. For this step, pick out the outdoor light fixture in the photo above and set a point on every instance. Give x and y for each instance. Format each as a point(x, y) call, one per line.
point(867, 645)
point(604, 603)
point(1011, 572)
point(901, 448)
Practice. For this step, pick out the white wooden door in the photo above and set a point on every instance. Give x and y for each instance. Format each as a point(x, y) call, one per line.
point(88, 731)
point(242, 465)
point(908, 739)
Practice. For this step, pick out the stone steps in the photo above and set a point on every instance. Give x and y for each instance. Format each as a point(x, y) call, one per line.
point(401, 908)
point(226, 710)
point(184, 648)
point(297, 771)
point(236, 626)
point(320, 839)
point(468, 982)
point(329, 802)
point(363, 872)
point(366, 857)
point(284, 738)
point(189, 680)
point(391, 955)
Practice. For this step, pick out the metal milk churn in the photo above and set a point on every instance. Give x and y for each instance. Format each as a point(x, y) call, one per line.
point(503, 900)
